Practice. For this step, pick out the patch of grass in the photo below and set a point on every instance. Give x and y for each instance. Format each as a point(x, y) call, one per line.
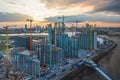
point(2, 37)
point(2, 47)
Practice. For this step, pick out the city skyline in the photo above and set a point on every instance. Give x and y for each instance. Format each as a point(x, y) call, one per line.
point(103, 12)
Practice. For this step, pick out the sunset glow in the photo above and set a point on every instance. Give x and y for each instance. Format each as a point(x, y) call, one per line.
point(41, 10)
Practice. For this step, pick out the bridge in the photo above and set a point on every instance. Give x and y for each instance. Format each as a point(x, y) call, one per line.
point(88, 62)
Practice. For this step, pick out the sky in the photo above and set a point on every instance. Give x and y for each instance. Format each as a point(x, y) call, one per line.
point(100, 12)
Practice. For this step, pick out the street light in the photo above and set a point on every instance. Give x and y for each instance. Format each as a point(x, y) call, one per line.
point(30, 20)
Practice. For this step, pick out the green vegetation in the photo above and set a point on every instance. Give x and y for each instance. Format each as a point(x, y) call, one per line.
point(2, 37)
point(2, 47)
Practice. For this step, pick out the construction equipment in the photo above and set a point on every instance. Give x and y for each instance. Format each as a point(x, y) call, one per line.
point(7, 62)
point(7, 51)
point(77, 24)
point(30, 20)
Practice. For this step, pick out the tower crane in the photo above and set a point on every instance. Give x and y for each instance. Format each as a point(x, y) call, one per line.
point(7, 51)
point(77, 24)
point(7, 62)
point(30, 20)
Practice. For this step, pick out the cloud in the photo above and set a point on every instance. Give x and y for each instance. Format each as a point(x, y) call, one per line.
point(88, 18)
point(99, 5)
point(111, 6)
point(60, 4)
point(12, 3)
point(16, 3)
point(13, 17)
point(73, 3)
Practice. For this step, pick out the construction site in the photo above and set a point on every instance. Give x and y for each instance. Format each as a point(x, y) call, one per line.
point(52, 56)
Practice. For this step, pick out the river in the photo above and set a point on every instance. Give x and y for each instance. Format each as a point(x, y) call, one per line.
point(110, 63)
point(25, 34)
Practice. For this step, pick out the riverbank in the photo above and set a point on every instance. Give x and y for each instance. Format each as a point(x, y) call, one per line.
point(105, 51)
point(111, 62)
point(85, 69)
